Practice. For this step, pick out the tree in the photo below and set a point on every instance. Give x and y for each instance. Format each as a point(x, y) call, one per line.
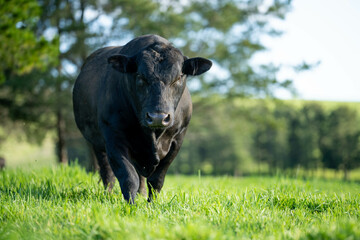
point(314, 118)
point(341, 145)
point(210, 144)
point(67, 20)
point(43, 96)
point(304, 137)
point(229, 32)
point(21, 49)
point(269, 144)
point(24, 53)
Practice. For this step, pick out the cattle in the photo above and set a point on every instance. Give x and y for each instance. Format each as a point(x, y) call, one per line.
point(131, 103)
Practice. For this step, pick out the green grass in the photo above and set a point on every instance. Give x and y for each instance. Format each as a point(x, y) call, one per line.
point(67, 203)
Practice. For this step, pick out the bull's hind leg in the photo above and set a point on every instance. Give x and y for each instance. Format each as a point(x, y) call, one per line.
point(142, 186)
point(106, 173)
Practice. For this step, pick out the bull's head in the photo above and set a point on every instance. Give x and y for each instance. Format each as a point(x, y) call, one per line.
point(160, 73)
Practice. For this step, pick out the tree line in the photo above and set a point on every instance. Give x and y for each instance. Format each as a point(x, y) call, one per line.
point(236, 136)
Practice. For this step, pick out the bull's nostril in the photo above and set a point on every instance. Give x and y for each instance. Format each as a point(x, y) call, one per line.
point(166, 120)
point(148, 118)
point(157, 120)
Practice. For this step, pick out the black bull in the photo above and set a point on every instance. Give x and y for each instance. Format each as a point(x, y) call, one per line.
point(132, 104)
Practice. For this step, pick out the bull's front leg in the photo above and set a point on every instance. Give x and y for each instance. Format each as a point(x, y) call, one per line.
point(156, 181)
point(123, 169)
point(126, 175)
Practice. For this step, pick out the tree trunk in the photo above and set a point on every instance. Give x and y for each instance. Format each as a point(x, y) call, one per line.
point(60, 121)
point(61, 146)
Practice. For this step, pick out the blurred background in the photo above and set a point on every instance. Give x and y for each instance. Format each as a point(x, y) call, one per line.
point(282, 97)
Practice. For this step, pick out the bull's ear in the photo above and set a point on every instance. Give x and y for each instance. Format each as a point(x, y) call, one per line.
point(196, 66)
point(123, 63)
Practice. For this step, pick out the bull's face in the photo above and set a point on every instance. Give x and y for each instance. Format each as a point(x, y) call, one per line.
point(160, 73)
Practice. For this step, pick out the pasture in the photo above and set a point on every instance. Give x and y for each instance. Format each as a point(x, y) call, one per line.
point(68, 203)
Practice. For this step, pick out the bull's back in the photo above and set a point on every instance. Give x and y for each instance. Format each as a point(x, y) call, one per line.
point(85, 93)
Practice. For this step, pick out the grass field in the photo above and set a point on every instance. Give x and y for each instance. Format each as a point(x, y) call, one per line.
point(68, 203)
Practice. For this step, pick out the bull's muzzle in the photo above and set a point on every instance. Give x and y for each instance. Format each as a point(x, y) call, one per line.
point(158, 120)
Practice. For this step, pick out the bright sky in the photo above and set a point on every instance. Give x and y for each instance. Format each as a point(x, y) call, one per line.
point(326, 31)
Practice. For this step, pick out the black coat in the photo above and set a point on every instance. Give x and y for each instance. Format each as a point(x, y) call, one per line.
point(132, 104)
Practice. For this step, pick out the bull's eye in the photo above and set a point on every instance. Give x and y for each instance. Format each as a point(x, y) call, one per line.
point(179, 80)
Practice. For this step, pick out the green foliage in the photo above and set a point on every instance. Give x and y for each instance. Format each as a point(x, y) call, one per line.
point(21, 49)
point(229, 33)
point(270, 136)
point(208, 140)
point(26, 55)
point(67, 203)
point(304, 137)
point(341, 144)
point(236, 136)
point(42, 99)
point(315, 137)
